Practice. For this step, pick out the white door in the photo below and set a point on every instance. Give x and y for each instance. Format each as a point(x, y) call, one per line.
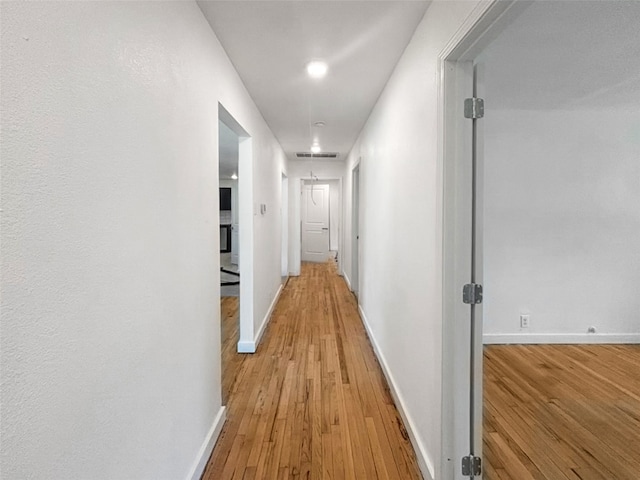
point(315, 223)
point(235, 228)
point(355, 232)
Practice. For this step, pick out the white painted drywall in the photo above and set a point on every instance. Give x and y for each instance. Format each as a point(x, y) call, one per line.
point(562, 223)
point(110, 345)
point(300, 170)
point(401, 229)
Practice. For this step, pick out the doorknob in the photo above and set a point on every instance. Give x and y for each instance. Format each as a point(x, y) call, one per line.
point(325, 228)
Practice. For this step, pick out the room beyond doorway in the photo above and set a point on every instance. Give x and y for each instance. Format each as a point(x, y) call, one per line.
point(558, 230)
point(228, 162)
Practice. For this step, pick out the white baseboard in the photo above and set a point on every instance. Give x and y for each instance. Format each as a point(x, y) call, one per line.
point(346, 279)
point(246, 347)
point(207, 447)
point(560, 338)
point(425, 464)
point(252, 346)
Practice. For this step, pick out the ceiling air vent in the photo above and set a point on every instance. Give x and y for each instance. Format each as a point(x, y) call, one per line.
point(317, 155)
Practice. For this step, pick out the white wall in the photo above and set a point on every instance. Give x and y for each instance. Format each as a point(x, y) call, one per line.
point(562, 224)
point(401, 230)
point(110, 344)
point(300, 170)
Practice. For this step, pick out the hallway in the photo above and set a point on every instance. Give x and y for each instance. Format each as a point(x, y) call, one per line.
point(313, 401)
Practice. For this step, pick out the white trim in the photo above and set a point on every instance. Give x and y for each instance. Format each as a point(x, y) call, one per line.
point(560, 338)
point(252, 346)
point(245, 223)
point(347, 281)
point(246, 347)
point(424, 462)
point(284, 224)
point(453, 74)
point(295, 240)
point(207, 446)
point(354, 254)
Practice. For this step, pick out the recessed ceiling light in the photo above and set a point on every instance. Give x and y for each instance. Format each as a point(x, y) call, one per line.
point(315, 148)
point(317, 69)
point(319, 124)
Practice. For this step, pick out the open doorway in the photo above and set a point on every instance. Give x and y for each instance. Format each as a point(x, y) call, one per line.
point(236, 245)
point(284, 239)
point(228, 154)
point(557, 229)
point(320, 216)
point(561, 236)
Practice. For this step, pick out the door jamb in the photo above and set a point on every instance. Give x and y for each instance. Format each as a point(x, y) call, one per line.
point(246, 343)
point(485, 23)
point(294, 267)
point(284, 227)
point(354, 282)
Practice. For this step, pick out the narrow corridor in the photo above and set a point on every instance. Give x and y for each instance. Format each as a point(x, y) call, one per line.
point(313, 401)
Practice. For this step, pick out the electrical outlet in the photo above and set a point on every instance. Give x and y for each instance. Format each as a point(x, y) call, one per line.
point(524, 321)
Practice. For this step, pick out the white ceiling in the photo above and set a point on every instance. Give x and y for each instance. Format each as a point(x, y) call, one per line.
point(567, 54)
point(269, 43)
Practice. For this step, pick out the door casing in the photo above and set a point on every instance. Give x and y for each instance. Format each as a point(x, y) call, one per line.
point(355, 230)
point(295, 207)
point(455, 76)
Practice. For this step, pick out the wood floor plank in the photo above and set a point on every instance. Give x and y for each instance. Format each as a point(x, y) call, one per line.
point(230, 333)
point(569, 412)
point(312, 402)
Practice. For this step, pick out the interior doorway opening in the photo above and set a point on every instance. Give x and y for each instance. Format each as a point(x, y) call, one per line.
point(236, 244)
point(321, 220)
point(284, 238)
point(228, 156)
point(546, 227)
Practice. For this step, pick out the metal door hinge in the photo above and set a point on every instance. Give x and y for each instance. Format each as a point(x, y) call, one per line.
point(473, 107)
point(471, 466)
point(472, 293)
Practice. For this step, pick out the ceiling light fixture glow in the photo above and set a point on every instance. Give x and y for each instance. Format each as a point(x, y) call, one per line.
point(317, 69)
point(234, 176)
point(315, 148)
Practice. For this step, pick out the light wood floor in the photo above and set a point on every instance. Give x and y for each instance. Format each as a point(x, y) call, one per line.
point(562, 412)
point(230, 332)
point(312, 403)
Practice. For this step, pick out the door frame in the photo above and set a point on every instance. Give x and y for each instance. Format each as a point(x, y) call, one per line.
point(295, 239)
point(284, 224)
point(354, 281)
point(454, 80)
point(246, 343)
